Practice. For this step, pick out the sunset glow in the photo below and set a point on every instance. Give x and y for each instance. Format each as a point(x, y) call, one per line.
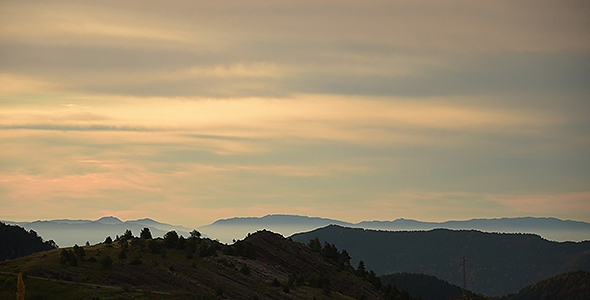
point(187, 112)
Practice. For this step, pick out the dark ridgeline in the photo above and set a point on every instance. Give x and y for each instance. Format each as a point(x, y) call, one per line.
point(16, 242)
point(497, 264)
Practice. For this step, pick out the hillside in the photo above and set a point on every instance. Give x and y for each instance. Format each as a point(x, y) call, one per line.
point(497, 264)
point(425, 287)
point(265, 265)
point(15, 242)
point(568, 286)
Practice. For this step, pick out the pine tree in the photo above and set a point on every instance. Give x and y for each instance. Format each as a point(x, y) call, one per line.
point(145, 234)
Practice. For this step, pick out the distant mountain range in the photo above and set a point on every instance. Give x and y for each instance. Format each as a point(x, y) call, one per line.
point(66, 232)
point(496, 263)
point(549, 228)
point(227, 230)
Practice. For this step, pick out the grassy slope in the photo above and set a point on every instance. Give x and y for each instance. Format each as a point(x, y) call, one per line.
point(172, 275)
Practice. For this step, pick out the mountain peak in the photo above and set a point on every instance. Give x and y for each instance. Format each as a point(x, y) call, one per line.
point(109, 220)
point(146, 221)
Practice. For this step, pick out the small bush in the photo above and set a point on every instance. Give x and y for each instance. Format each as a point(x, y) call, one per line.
point(107, 262)
point(275, 282)
point(245, 269)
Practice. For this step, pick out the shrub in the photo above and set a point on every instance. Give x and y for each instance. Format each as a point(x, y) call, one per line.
point(245, 269)
point(171, 239)
point(275, 282)
point(79, 251)
point(67, 256)
point(106, 262)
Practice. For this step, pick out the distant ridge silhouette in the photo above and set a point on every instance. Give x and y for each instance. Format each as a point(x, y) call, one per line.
point(549, 228)
point(67, 232)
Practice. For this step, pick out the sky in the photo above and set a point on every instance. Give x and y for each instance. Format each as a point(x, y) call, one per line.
point(191, 111)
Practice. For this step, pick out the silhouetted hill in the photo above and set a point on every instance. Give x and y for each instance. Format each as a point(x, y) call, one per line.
point(497, 264)
point(264, 265)
point(550, 228)
point(568, 286)
point(15, 242)
point(425, 287)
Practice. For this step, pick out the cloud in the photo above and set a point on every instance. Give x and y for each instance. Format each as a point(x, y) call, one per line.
point(14, 84)
point(62, 24)
point(282, 49)
point(340, 108)
point(347, 119)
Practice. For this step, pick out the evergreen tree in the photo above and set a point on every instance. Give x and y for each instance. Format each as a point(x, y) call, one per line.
point(171, 239)
point(127, 235)
point(360, 270)
point(145, 234)
point(195, 234)
point(315, 245)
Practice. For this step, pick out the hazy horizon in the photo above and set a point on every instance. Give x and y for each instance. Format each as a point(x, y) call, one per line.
point(195, 226)
point(67, 234)
point(190, 112)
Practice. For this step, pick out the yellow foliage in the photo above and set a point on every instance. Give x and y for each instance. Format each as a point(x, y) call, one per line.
point(20, 285)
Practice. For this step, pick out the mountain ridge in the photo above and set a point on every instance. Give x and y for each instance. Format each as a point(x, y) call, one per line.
point(548, 227)
point(67, 232)
point(492, 257)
